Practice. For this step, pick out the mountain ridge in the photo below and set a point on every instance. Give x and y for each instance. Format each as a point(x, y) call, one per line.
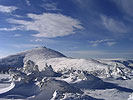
point(17, 60)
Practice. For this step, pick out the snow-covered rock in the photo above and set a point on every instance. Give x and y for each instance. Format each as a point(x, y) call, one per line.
point(47, 71)
point(70, 96)
point(130, 97)
point(34, 84)
point(57, 95)
point(29, 67)
point(26, 74)
point(50, 85)
point(75, 76)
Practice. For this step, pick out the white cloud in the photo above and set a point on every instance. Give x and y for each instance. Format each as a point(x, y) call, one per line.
point(18, 16)
point(100, 41)
point(44, 40)
point(113, 25)
point(17, 35)
point(7, 9)
point(47, 25)
point(11, 29)
point(50, 6)
point(108, 42)
point(95, 44)
point(28, 2)
point(38, 40)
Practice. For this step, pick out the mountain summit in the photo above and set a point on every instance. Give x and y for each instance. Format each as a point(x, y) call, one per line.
point(35, 54)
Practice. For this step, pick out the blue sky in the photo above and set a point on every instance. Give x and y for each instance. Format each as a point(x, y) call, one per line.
point(77, 28)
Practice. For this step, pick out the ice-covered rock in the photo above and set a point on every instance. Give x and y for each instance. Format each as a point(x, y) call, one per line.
point(26, 74)
point(130, 97)
point(17, 75)
point(57, 95)
point(74, 75)
point(29, 67)
point(83, 80)
point(47, 71)
point(70, 96)
point(50, 85)
point(118, 71)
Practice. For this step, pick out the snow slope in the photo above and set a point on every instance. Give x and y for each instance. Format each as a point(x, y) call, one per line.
point(117, 68)
point(101, 68)
point(51, 75)
point(35, 54)
point(4, 90)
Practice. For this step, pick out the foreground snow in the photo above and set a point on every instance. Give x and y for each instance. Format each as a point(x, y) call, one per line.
point(28, 83)
point(4, 90)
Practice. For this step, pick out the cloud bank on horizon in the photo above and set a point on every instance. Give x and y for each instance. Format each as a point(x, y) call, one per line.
point(80, 26)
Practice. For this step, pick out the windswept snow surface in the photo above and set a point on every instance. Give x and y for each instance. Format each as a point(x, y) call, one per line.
point(4, 90)
point(45, 74)
point(100, 68)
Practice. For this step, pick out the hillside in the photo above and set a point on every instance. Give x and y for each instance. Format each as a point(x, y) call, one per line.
point(48, 74)
point(36, 54)
point(103, 68)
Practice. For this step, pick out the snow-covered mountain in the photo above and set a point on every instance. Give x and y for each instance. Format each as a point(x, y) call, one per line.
point(36, 54)
point(48, 74)
point(103, 68)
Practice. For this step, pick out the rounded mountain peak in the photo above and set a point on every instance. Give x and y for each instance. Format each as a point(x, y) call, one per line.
point(35, 54)
point(42, 53)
